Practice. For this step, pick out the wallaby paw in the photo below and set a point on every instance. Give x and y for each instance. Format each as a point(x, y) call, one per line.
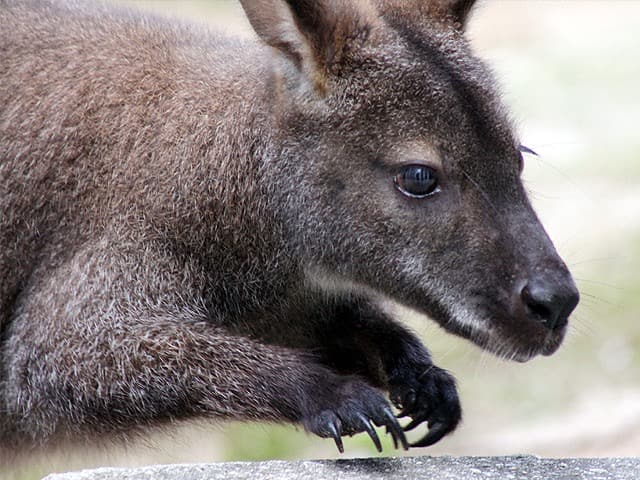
point(427, 395)
point(352, 409)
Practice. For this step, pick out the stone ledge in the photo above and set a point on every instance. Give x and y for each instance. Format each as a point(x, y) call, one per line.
point(405, 468)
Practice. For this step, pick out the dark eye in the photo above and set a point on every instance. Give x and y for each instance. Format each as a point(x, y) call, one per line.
point(417, 181)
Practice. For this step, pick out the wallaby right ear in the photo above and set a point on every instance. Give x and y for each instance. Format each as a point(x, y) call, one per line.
point(314, 34)
point(458, 10)
point(455, 12)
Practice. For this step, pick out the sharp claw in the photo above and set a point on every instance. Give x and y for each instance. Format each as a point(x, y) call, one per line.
point(371, 431)
point(336, 437)
point(396, 430)
point(417, 418)
point(437, 430)
point(414, 423)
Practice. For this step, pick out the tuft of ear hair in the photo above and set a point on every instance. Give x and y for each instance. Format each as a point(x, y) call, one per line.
point(316, 35)
point(454, 12)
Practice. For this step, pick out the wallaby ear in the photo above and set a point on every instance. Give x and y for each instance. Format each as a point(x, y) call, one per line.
point(455, 12)
point(314, 34)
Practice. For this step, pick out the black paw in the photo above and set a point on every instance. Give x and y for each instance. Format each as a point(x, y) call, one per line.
point(352, 407)
point(427, 394)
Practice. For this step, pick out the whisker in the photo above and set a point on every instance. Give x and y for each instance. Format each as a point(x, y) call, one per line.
point(557, 144)
point(450, 352)
point(583, 329)
point(595, 298)
point(482, 363)
point(597, 282)
point(479, 188)
point(589, 305)
point(592, 260)
point(562, 173)
point(539, 195)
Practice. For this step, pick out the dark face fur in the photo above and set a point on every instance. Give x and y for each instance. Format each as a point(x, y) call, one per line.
point(407, 100)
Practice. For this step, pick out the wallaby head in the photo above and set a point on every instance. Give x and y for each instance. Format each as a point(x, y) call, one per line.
point(194, 226)
point(399, 169)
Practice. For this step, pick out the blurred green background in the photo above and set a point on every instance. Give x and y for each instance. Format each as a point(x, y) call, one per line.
point(570, 73)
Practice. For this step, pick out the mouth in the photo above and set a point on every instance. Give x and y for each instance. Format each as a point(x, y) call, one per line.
point(553, 342)
point(525, 345)
point(516, 338)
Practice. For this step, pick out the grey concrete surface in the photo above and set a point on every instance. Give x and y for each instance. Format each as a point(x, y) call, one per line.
point(405, 468)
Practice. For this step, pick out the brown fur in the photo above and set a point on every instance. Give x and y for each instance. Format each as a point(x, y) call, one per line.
point(194, 225)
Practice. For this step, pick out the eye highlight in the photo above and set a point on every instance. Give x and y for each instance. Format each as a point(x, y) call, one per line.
point(417, 181)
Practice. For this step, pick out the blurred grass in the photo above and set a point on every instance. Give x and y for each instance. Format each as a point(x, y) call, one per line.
point(570, 73)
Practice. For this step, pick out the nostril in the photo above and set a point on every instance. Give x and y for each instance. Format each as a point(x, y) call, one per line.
point(535, 305)
point(551, 306)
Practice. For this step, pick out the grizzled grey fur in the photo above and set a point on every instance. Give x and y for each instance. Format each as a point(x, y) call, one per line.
point(193, 225)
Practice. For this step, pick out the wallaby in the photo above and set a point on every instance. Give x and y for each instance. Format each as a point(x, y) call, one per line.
point(193, 225)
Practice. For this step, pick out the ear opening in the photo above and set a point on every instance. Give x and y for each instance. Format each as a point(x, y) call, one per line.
point(316, 35)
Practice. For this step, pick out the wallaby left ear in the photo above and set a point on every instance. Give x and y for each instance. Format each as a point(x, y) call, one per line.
point(316, 35)
point(458, 10)
point(454, 12)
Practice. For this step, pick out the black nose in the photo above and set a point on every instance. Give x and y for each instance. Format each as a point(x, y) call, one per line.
point(551, 303)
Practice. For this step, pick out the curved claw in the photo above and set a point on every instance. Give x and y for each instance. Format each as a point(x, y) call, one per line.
point(371, 431)
point(415, 422)
point(436, 431)
point(333, 430)
point(395, 429)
